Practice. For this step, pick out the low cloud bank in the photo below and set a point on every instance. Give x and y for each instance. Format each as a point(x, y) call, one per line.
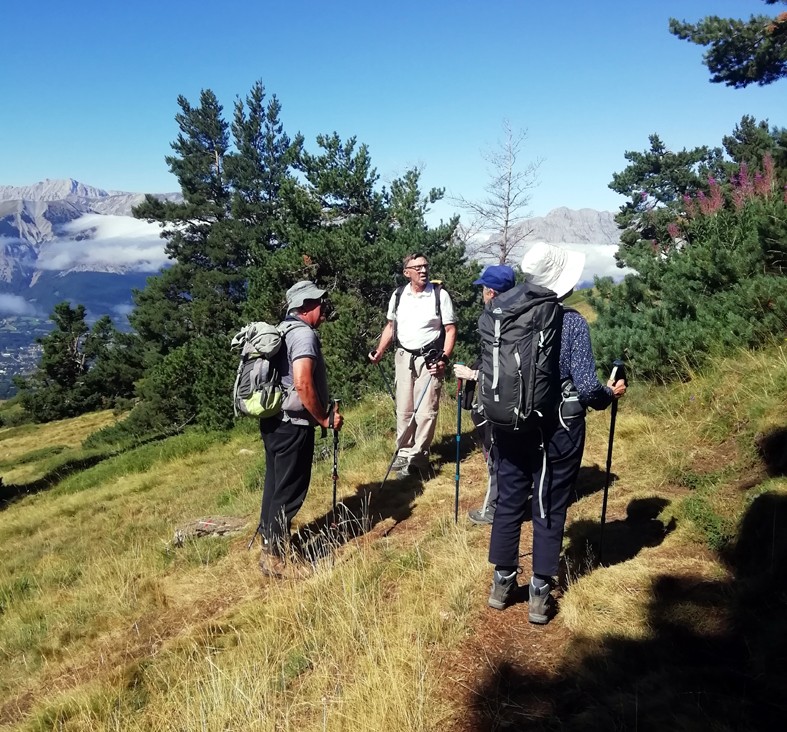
point(599, 262)
point(15, 305)
point(106, 243)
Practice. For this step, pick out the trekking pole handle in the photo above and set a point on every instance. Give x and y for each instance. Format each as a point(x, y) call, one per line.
point(618, 372)
point(334, 408)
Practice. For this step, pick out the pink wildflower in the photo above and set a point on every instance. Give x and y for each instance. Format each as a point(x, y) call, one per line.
point(716, 200)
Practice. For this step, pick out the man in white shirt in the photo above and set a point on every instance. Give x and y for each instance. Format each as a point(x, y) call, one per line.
point(421, 326)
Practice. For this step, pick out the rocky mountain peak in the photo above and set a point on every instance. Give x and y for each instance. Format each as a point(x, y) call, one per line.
point(57, 189)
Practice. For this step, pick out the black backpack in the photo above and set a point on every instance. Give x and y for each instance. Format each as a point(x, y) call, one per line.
point(519, 378)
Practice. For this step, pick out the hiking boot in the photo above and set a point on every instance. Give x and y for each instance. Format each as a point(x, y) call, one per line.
point(272, 565)
point(400, 461)
point(481, 516)
point(277, 567)
point(540, 604)
point(502, 587)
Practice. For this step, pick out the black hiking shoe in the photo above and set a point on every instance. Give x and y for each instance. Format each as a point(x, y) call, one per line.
point(540, 604)
point(481, 516)
point(502, 587)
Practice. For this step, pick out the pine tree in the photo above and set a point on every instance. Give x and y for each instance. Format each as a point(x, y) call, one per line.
point(79, 370)
point(655, 182)
point(740, 52)
point(202, 292)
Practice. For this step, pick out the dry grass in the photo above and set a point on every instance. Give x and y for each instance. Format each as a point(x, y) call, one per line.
point(105, 625)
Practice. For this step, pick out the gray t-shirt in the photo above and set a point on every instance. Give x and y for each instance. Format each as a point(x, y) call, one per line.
point(301, 341)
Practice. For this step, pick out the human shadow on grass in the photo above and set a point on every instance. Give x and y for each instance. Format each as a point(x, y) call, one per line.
point(620, 540)
point(444, 450)
point(591, 479)
point(772, 447)
point(713, 659)
point(357, 515)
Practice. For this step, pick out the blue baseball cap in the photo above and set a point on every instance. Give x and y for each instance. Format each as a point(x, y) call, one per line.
point(497, 277)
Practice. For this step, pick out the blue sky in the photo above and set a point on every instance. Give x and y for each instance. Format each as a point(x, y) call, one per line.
point(89, 89)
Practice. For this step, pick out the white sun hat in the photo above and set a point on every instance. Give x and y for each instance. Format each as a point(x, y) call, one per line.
point(552, 267)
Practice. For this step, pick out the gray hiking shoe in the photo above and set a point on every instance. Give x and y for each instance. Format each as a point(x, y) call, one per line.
point(481, 516)
point(502, 587)
point(400, 461)
point(540, 604)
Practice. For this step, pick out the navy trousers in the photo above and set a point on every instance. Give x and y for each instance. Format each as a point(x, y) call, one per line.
point(520, 460)
point(289, 450)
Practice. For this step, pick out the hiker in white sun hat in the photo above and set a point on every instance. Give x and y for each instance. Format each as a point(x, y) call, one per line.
point(558, 270)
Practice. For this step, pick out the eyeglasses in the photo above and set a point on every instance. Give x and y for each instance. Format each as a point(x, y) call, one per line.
point(419, 267)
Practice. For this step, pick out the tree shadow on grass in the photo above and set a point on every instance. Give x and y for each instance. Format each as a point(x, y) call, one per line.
point(11, 492)
point(716, 657)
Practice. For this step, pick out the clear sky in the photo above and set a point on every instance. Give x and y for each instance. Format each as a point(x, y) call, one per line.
point(88, 90)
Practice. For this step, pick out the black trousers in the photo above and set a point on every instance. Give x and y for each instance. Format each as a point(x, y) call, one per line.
point(519, 468)
point(289, 450)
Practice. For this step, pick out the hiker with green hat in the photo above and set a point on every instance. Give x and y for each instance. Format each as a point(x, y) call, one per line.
point(289, 436)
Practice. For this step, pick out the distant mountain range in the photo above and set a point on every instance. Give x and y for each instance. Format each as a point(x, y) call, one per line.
point(570, 226)
point(63, 239)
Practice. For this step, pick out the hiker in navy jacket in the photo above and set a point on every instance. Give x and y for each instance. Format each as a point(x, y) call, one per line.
point(520, 462)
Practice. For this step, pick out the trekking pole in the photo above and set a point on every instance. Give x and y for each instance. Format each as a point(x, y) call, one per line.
point(335, 474)
point(386, 382)
point(458, 438)
point(406, 432)
point(618, 372)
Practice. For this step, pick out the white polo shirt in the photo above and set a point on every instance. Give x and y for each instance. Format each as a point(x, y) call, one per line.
point(417, 325)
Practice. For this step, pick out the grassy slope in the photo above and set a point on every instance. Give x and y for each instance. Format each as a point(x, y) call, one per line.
point(105, 625)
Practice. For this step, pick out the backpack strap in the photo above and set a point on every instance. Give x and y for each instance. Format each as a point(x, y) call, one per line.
point(438, 285)
point(397, 297)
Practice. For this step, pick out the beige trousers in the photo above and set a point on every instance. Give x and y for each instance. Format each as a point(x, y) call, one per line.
point(414, 439)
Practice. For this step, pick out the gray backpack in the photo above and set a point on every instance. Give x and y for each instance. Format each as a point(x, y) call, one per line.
point(519, 378)
point(258, 391)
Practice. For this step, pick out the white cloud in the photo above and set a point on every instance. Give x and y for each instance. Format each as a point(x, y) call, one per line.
point(599, 262)
point(15, 305)
point(114, 243)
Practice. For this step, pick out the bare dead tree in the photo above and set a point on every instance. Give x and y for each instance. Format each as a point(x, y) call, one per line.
point(499, 216)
